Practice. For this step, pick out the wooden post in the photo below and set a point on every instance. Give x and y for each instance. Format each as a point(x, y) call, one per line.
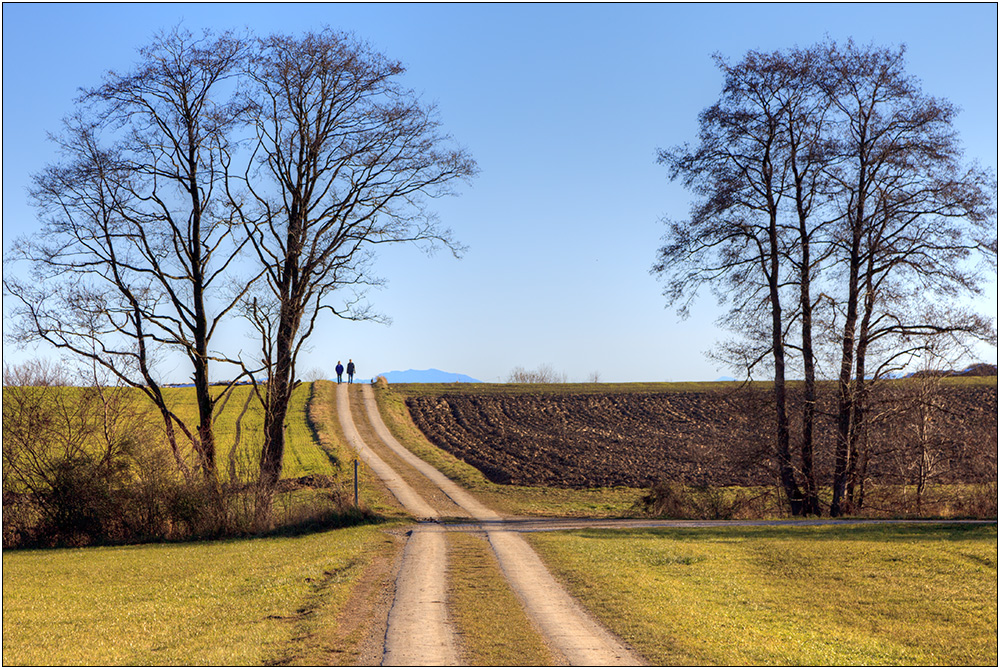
point(355, 483)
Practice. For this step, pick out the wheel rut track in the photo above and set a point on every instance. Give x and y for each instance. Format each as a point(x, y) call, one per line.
point(418, 630)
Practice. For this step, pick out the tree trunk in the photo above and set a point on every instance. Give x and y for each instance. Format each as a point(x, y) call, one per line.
point(278, 392)
point(811, 504)
point(845, 387)
point(786, 472)
point(280, 380)
point(811, 501)
point(855, 470)
point(206, 433)
point(199, 357)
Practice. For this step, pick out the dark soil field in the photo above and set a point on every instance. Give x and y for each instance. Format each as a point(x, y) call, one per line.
point(706, 436)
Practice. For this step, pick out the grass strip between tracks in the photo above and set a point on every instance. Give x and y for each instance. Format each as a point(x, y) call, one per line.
point(830, 595)
point(494, 628)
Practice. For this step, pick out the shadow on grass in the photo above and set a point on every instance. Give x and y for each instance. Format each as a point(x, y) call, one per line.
point(326, 522)
point(878, 531)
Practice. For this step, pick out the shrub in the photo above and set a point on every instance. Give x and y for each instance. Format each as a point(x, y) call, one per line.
point(87, 465)
point(671, 499)
point(91, 465)
point(979, 501)
point(544, 374)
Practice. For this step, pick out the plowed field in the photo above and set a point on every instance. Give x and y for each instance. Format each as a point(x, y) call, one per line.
point(635, 439)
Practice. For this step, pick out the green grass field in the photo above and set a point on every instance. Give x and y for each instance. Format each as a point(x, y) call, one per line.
point(826, 595)
point(238, 602)
point(303, 456)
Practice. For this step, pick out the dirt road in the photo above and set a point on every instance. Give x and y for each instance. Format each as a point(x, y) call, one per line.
point(418, 631)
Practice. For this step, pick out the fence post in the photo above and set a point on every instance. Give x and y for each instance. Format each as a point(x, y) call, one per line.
point(355, 483)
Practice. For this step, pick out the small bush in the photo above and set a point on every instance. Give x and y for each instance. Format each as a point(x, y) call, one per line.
point(544, 374)
point(978, 501)
point(671, 499)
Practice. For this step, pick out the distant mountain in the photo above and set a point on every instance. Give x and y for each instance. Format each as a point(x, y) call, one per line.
point(724, 378)
point(427, 376)
point(978, 369)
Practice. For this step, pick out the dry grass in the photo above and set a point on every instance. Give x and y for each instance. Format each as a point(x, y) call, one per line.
point(827, 595)
point(494, 628)
point(236, 602)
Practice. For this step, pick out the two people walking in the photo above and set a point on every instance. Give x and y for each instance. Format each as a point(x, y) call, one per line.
point(350, 371)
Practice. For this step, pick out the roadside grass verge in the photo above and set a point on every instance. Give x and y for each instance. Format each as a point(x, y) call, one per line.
point(493, 627)
point(819, 595)
point(234, 602)
point(514, 500)
point(373, 495)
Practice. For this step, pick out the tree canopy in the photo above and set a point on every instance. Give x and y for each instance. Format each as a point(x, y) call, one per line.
point(833, 200)
point(228, 176)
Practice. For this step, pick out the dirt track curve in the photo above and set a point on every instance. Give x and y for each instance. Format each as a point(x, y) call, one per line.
point(418, 631)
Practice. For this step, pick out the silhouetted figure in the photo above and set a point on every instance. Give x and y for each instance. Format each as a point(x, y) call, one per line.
point(350, 371)
point(340, 371)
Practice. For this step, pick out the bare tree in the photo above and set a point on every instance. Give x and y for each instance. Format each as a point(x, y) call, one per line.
point(914, 215)
point(135, 249)
point(545, 373)
point(345, 159)
point(736, 240)
point(828, 167)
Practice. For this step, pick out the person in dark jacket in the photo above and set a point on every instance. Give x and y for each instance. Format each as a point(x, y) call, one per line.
point(350, 371)
point(340, 371)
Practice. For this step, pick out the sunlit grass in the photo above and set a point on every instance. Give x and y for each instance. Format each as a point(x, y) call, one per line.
point(830, 595)
point(303, 455)
point(494, 628)
point(239, 602)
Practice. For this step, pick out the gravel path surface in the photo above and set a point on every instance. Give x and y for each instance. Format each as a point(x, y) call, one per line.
point(406, 495)
point(418, 631)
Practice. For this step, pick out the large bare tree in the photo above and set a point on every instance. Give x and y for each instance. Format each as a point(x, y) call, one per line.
point(131, 264)
point(345, 158)
point(914, 218)
point(736, 239)
point(829, 168)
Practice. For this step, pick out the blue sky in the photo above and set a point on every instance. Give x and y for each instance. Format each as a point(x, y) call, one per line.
point(563, 106)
